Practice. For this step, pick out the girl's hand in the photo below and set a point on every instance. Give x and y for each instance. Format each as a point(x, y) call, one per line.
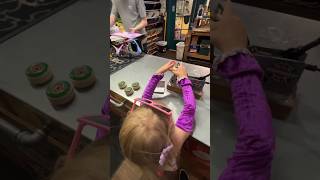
point(229, 33)
point(132, 30)
point(180, 71)
point(166, 67)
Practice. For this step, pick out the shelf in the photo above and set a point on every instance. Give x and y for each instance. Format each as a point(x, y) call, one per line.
point(153, 48)
point(152, 53)
point(207, 34)
point(200, 32)
point(199, 56)
point(152, 40)
point(152, 24)
point(202, 29)
point(151, 45)
point(148, 37)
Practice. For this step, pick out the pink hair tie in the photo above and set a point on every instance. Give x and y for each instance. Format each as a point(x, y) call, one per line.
point(164, 154)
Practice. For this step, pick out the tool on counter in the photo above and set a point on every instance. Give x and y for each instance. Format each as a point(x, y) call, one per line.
point(311, 67)
point(202, 78)
point(197, 86)
point(295, 53)
point(283, 68)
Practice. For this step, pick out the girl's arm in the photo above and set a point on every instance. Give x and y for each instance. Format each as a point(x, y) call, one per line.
point(185, 122)
point(151, 86)
point(254, 148)
point(186, 117)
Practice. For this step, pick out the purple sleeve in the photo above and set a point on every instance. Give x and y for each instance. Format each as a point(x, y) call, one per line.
point(105, 109)
point(252, 157)
point(151, 86)
point(186, 117)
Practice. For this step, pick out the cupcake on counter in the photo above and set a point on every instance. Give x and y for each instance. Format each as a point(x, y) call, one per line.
point(39, 74)
point(122, 84)
point(135, 86)
point(60, 93)
point(82, 77)
point(129, 91)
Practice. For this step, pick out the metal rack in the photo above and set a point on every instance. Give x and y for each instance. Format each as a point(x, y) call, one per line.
point(155, 27)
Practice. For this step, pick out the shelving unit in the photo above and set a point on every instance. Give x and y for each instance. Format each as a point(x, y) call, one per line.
point(155, 27)
point(193, 39)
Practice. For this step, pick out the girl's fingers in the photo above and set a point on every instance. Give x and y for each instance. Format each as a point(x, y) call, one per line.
point(172, 62)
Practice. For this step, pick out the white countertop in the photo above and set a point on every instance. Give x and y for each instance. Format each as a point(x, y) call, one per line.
point(142, 70)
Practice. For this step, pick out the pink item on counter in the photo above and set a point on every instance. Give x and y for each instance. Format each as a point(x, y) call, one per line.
point(128, 35)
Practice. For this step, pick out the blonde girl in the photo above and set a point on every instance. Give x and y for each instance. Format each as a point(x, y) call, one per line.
point(149, 139)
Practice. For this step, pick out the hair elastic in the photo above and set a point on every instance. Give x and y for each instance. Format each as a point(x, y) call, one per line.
point(164, 154)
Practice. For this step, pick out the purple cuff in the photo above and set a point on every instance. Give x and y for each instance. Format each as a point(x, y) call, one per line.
point(252, 157)
point(185, 82)
point(105, 109)
point(151, 86)
point(238, 65)
point(186, 118)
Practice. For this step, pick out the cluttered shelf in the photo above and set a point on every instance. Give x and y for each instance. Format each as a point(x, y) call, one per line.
point(155, 27)
point(197, 45)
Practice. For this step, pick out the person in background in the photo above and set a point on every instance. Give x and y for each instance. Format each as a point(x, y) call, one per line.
point(253, 154)
point(133, 17)
point(132, 14)
point(150, 140)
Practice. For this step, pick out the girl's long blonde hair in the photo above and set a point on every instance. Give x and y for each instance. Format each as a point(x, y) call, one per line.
point(143, 136)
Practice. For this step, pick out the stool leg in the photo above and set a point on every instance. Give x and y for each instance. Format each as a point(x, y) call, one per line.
point(75, 141)
point(105, 111)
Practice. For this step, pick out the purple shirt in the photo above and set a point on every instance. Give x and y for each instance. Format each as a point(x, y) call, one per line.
point(252, 157)
point(186, 118)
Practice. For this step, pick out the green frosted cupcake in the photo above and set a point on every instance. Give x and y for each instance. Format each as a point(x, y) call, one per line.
point(122, 85)
point(60, 93)
point(82, 77)
point(39, 74)
point(129, 91)
point(135, 86)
